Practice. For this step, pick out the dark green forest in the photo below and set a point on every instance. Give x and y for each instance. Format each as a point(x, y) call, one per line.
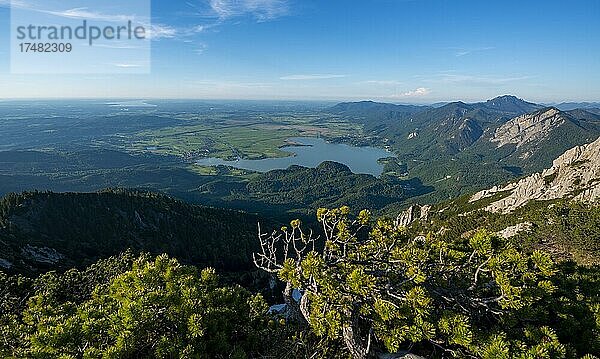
point(299, 191)
point(81, 228)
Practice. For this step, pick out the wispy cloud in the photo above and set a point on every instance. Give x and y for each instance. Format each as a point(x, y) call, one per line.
point(154, 31)
point(382, 82)
point(86, 14)
point(191, 31)
point(118, 46)
point(220, 85)
point(99, 78)
point(218, 10)
point(460, 52)
point(310, 77)
point(73, 13)
point(200, 48)
point(481, 80)
point(127, 66)
point(199, 28)
point(261, 10)
point(15, 3)
point(160, 31)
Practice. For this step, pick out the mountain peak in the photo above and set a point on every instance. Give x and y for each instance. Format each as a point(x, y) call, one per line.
point(506, 98)
point(511, 104)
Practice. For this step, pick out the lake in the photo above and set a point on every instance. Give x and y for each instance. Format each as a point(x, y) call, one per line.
point(311, 153)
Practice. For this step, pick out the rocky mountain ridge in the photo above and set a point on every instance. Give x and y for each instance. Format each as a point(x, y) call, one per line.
point(575, 175)
point(528, 128)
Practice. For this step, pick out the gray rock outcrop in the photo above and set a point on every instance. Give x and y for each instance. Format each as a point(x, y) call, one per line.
point(575, 175)
point(42, 254)
point(528, 128)
point(512, 231)
point(412, 214)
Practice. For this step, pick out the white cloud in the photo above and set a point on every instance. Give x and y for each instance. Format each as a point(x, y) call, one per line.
point(126, 66)
point(193, 30)
point(262, 10)
point(419, 92)
point(310, 77)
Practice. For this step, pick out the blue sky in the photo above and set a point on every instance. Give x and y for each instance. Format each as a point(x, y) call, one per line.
point(404, 51)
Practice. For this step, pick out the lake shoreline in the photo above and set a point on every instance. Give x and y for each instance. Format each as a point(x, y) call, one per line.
point(310, 152)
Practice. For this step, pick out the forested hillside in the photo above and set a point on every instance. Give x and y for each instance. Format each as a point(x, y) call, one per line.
point(41, 231)
point(299, 191)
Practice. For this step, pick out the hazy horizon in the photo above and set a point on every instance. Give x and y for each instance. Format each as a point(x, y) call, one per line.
point(266, 100)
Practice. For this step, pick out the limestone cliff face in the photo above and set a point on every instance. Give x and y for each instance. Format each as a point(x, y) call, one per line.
point(412, 214)
point(528, 128)
point(575, 174)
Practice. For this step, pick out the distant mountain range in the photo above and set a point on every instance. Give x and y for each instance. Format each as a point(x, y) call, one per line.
point(466, 146)
point(453, 127)
point(375, 114)
point(566, 106)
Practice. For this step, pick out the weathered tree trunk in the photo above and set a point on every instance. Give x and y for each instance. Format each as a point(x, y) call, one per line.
point(293, 307)
point(356, 346)
point(304, 309)
point(353, 343)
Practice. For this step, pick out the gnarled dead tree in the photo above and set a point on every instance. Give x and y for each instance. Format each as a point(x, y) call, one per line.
point(369, 283)
point(279, 247)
